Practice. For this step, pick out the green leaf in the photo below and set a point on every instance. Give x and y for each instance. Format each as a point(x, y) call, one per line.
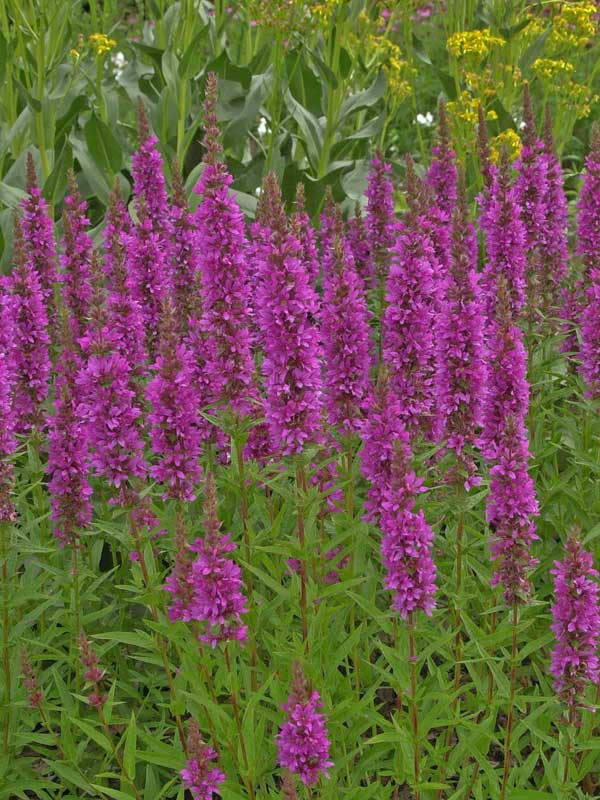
point(72, 776)
point(309, 125)
point(366, 98)
point(94, 734)
point(129, 751)
point(112, 792)
point(103, 146)
point(194, 57)
point(3, 57)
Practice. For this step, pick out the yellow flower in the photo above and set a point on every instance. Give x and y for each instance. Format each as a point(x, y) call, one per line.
point(398, 73)
point(552, 67)
point(508, 139)
point(465, 108)
point(101, 43)
point(477, 44)
point(574, 26)
point(74, 53)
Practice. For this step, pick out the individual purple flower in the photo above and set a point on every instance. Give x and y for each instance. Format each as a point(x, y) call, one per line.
point(286, 307)
point(585, 299)
point(31, 337)
point(75, 260)
point(174, 416)
point(381, 429)
point(358, 238)
point(305, 233)
point(407, 542)
point(38, 234)
point(408, 320)
point(344, 335)
point(302, 742)
point(460, 370)
point(185, 254)
point(200, 778)
point(108, 397)
point(381, 221)
point(504, 231)
point(222, 250)
point(7, 413)
point(209, 590)
point(70, 490)
point(35, 696)
point(511, 503)
point(92, 673)
point(576, 624)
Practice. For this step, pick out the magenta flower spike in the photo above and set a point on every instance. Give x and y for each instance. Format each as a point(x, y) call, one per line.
point(286, 306)
point(209, 589)
point(149, 185)
point(223, 258)
point(442, 175)
point(409, 317)
point(200, 778)
point(381, 429)
point(505, 237)
point(67, 467)
point(8, 420)
point(185, 254)
point(358, 238)
point(511, 503)
point(31, 337)
point(38, 234)
point(407, 542)
point(110, 406)
point(302, 742)
point(381, 222)
point(585, 302)
point(305, 233)
point(576, 624)
point(175, 435)
point(75, 260)
point(117, 228)
point(345, 335)
point(460, 369)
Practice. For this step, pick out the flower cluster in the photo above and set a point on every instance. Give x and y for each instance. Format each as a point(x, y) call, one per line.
point(200, 778)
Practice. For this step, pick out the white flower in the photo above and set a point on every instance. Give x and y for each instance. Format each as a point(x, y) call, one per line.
point(425, 119)
point(258, 191)
point(119, 62)
point(262, 127)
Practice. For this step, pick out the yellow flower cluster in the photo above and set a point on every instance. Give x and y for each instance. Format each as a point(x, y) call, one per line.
point(465, 108)
point(574, 26)
point(101, 43)
point(287, 16)
point(476, 44)
point(508, 139)
point(399, 73)
point(552, 67)
point(325, 10)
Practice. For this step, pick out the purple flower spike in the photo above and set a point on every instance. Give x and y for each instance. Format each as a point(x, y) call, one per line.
point(7, 413)
point(76, 259)
point(576, 624)
point(32, 339)
point(174, 419)
point(302, 741)
point(286, 307)
point(200, 779)
point(381, 222)
point(586, 302)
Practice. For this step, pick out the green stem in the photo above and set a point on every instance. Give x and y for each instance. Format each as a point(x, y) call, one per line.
point(511, 703)
point(238, 722)
point(76, 611)
point(301, 489)
point(116, 754)
point(414, 714)
point(4, 528)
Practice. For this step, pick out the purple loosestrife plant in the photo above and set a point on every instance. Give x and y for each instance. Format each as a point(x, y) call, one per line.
point(208, 590)
point(76, 259)
point(92, 674)
point(38, 233)
point(185, 254)
point(407, 541)
point(502, 225)
point(149, 183)
point(305, 233)
point(585, 301)
point(511, 503)
point(109, 405)
point(381, 222)
point(31, 336)
point(408, 321)
point(442, 175)
point(381, 429)
point(576, 624)
point(286, 306)
point(117, 229)
point(223, 260)
point(358, 238)
point(302, 742)
point(460, 370)
point(200, 778)
point(175, 435)
point(67, 466)
point(532, 190)
point(7, 411)
point(345, 336)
